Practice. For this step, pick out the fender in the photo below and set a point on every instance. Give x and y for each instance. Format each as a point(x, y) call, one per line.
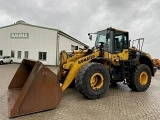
point(144, 59)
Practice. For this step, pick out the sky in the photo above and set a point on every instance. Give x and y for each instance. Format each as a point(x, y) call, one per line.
point(141, 18)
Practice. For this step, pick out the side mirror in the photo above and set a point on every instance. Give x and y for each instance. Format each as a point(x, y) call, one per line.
point(90, 36)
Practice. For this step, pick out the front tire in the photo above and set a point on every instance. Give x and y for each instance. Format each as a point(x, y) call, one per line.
point(140, 78)
point(93, 80)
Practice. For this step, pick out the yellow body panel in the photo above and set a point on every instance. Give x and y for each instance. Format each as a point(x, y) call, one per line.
point(115, 58)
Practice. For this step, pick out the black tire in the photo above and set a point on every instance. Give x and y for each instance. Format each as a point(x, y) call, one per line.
point(11, 62)
point(1, 62)
point(84, 77)
point(140, 78)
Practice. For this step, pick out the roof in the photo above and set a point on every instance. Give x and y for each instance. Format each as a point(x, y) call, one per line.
point(111, 28)
point(70, 37)
point(20, 22)
point(120, 30)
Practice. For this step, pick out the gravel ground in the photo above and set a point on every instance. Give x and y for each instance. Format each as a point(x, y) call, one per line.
point(119, 103)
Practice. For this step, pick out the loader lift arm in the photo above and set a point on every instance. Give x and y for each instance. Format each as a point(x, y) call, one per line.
point(74, 68)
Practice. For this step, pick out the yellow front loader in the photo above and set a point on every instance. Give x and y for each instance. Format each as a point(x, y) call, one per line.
point(35, 88)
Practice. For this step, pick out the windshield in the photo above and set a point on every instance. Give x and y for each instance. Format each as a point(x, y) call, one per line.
point(101, 38)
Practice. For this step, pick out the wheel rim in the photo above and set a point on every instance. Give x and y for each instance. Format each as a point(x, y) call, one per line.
point(96, 81)
point(143, 78)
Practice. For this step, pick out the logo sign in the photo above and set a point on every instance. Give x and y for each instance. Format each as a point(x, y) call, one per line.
point(19, 35)
point(86, 59)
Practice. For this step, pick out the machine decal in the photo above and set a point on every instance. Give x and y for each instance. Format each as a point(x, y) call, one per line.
point(86, 59)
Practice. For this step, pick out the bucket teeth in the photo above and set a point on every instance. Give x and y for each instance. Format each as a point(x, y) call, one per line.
point(34, 88)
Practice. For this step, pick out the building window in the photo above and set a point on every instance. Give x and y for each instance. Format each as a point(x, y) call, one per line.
point(1, 52)
point(12, 53)
point(42, 55)
point(26, 54)
point(80, 48)
point(19, 54)
point(73, 47)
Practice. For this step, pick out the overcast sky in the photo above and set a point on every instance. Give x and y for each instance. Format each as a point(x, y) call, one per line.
point(79, 17)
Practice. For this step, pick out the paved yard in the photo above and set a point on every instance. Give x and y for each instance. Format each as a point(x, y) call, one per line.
point(120, 103)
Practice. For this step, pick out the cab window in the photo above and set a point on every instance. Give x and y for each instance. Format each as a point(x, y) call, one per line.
point(120, 41)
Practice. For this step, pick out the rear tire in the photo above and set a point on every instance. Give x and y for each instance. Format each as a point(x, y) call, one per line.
point(11, 62)
point(140, 78)
point(93, 80)
point(1, 62)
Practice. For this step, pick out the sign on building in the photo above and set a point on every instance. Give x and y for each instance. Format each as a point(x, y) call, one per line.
point(19, 35)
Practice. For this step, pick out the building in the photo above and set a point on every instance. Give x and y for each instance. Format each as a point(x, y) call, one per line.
point(22, 40)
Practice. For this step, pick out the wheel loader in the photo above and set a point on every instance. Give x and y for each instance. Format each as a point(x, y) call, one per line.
point(35, 88)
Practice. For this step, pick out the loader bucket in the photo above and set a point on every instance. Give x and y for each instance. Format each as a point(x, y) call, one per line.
point(34, 88)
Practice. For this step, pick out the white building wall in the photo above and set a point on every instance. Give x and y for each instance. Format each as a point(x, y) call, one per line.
point(40, 40)
point(65, 43)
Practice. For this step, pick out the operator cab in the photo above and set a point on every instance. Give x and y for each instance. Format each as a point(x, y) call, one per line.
point(112, 40)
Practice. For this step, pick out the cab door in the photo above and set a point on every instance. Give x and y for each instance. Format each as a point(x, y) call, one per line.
point(120, 47)
point(7, 59)
point(4, 59)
